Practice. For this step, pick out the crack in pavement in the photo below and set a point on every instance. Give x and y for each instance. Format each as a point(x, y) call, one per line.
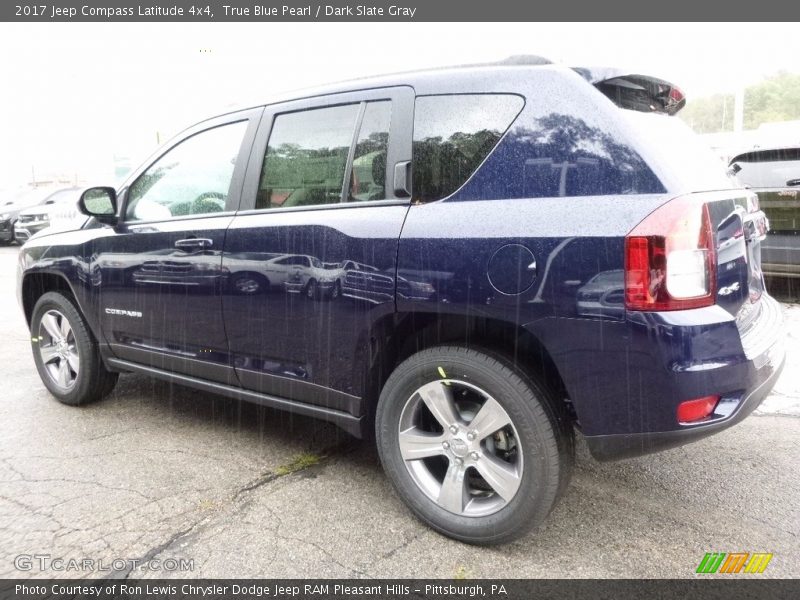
point(153, 552)
point(324, 456)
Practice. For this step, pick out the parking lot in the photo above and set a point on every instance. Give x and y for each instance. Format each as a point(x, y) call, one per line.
point(159, 471)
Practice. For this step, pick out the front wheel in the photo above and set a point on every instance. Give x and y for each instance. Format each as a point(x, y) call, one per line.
point(473, 445)
point(249, 284)
point(336, 290)
point(311, 290)
point(66, 353)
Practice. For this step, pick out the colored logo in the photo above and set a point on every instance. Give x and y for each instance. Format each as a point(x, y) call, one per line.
point(734, 562)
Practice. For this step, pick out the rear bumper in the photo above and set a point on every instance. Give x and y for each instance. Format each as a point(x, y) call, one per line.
point(615, 447)
point(626, 378)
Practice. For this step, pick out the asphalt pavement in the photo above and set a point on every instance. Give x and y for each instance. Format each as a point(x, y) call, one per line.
point(210, 487)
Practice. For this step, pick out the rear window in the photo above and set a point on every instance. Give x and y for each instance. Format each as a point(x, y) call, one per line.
point(769, 168)
point(453, 134)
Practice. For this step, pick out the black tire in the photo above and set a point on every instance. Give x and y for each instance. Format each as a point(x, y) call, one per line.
point(248, 284)
point(312, 290)
point(543, 437)
point(92, 381)
point(336, 290)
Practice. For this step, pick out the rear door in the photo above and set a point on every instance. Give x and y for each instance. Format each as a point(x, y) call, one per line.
point(320, 194)
point(160, 273)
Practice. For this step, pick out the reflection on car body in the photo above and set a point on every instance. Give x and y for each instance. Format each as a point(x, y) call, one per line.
point(603, 295)
point(174, 267)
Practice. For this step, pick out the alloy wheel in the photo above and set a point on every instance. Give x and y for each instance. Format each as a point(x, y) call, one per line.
point(58, 349)
point(460, 448)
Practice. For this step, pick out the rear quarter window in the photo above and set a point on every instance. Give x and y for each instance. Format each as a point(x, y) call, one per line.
point(558, 147)
point(453, 134)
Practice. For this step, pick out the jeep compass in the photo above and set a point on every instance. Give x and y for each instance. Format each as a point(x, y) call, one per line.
point(469, 264)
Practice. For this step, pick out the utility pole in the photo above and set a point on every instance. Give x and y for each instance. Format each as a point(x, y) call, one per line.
point(738, 114)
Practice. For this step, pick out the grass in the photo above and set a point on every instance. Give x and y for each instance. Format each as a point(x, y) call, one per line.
point(298, 463)
point(461, 572)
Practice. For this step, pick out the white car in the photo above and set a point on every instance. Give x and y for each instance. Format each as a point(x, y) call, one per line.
point(60, 207)
point(257, 272)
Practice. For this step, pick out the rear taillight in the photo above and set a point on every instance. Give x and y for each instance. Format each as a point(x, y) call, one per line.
point(670, 258)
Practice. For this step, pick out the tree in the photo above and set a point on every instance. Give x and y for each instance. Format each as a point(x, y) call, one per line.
point(777, 98)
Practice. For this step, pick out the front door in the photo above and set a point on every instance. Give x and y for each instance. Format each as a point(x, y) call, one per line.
point(160, 273)
point(320, 206)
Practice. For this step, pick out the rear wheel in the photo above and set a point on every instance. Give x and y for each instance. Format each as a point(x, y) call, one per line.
point(472, 444)
point(66, 353)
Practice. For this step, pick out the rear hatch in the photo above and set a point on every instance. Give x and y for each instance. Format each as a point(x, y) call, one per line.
point(740, 228)
point(704, 246)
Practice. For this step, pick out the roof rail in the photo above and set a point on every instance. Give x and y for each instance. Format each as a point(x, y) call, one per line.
point(524, 59)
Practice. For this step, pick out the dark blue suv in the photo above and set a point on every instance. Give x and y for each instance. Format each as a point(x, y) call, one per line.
point(470, 263)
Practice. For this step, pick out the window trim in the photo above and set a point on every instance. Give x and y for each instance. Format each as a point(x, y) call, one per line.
point(399, 150)
point(351, 155)
point(252, 117)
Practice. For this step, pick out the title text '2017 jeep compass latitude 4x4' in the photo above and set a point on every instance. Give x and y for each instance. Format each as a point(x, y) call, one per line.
point(521, 249)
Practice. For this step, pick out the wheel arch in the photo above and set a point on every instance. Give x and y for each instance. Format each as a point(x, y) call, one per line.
point(250, 273)
point(396, 337)
point(38, 283)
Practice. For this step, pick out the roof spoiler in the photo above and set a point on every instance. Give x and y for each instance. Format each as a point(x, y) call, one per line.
point(635, 92)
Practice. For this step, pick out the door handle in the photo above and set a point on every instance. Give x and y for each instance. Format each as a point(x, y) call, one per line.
point(194, 244)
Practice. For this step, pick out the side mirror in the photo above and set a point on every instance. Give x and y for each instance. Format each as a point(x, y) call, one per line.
point(100, 203)
point(733, 169)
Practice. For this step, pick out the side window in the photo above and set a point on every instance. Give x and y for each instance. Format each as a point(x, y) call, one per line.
point(452, 135)
point(368, 175)
point(192, 178)
point(306, 157)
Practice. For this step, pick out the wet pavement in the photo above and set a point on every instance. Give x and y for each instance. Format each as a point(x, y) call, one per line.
point(165, 473)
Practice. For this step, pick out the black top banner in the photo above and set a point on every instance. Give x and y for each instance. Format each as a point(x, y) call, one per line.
point(397, 11)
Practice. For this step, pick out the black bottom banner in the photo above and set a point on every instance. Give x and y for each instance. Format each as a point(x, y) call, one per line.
point(431, 589)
